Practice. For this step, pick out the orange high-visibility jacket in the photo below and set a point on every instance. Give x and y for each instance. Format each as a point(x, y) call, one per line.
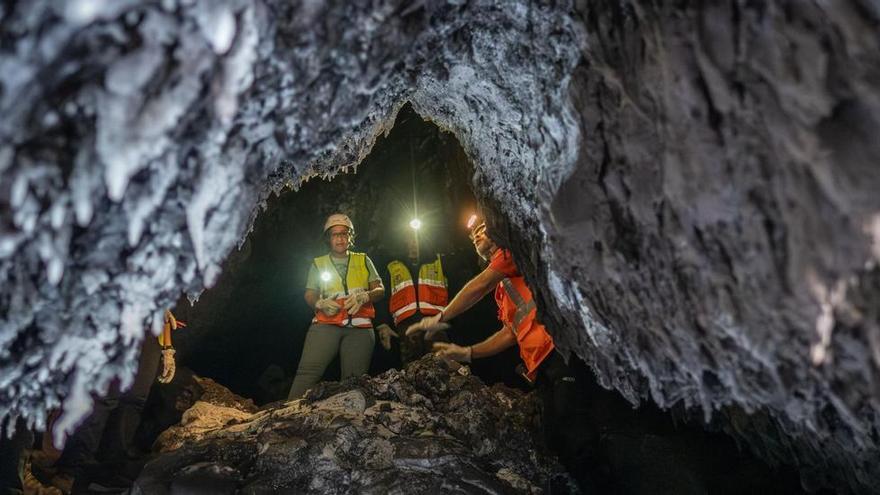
point(357, 279)
point(432, 295)
point(517, 310)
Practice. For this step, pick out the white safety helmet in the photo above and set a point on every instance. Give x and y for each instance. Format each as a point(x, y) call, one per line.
point(338, 219)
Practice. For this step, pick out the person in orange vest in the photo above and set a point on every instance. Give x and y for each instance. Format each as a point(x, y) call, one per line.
point(413, 299)
point(516, 310)
point(342, 286)
point(561, 387)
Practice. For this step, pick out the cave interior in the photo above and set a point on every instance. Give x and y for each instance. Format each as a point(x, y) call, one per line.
point(247, 331)
point(688, 188)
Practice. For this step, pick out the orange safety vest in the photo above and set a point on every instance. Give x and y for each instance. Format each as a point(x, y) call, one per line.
point(357, 279)
point(432, 295)
point(517, 310)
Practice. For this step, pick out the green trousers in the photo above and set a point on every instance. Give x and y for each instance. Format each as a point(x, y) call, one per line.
point(323, 342)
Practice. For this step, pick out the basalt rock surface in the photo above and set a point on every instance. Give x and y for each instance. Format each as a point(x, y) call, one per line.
point(691, 189)
point(425, 429)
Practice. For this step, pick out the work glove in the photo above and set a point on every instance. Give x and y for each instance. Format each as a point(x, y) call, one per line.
point(354, 302)
point(385, 333)
point(453, 352)
point(430, 325)
point(327, 306)
point(168, 366)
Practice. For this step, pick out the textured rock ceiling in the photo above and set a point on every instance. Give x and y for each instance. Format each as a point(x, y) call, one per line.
point(693, 191)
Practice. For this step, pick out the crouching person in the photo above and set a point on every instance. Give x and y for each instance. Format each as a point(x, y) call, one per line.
point(562, 388)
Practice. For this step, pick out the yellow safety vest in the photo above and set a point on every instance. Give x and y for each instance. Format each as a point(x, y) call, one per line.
point(335, 288)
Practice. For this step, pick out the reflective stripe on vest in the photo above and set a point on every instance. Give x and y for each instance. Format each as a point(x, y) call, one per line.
point(407, 310)
point(362, 322)
point(431, 297)
point(534, 343)
point(523, 308)
point(425, 307)
point(402, 303)
point(356, 280)
point(432, 283)
point(401, 286)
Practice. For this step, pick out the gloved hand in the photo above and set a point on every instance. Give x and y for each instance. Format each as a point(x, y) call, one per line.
point(354, 302)
point(452, 351)
point(385, 333)
point(168, 366)
point(327, 306)
point(430, 325)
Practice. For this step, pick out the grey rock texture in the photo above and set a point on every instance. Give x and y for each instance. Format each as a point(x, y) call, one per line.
point(426, 429)
point(721, 222)
point(691, 190)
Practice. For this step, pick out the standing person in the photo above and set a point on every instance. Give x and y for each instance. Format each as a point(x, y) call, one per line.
point(562, 388)
point(341, 287)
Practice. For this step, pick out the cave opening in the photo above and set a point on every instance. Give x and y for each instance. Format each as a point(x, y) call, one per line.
point(247, 331)
point(687, 189)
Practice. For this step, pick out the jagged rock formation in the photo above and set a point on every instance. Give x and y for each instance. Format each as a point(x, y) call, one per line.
point(721, 222)
point(423, 430)
point(692, 191)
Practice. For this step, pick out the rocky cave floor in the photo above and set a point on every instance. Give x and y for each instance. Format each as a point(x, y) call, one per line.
point(431, 428)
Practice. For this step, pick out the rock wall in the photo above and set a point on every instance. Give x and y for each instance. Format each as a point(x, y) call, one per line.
point(690, 189)
point(720, 223)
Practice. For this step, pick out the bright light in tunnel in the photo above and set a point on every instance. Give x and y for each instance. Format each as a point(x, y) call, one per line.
point(325, 276)
point(415, 224)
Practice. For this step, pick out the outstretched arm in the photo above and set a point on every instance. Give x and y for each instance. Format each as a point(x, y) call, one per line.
point(497, 342)
point(471, 293)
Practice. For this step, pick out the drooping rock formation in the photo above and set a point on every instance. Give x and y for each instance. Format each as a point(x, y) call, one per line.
point(425, 429)
point(691, 190)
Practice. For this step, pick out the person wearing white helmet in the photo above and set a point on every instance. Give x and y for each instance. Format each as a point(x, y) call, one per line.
point(560, 385)
point(342, 286)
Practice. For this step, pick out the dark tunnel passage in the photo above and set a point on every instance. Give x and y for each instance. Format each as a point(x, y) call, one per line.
point(247, 331)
